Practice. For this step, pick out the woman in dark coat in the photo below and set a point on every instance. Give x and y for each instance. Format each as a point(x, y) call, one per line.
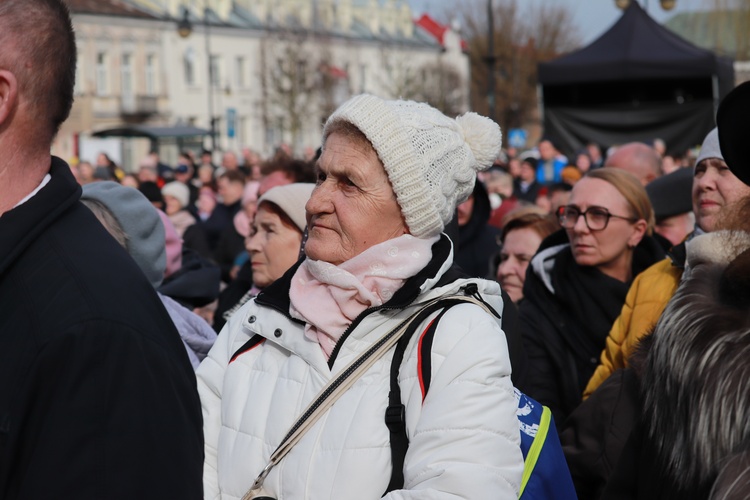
point(577, 282)
point(478, 242)
point(695, 386)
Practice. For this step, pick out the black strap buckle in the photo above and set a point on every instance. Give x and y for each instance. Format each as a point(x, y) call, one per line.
point(395, 416)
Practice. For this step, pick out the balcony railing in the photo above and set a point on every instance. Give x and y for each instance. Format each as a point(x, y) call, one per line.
point(138, 105)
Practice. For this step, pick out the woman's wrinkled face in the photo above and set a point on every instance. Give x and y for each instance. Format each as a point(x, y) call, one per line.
point(273, 246)
point(519, 247)
point(353, 206)
point(715, 187)
point(608, 249)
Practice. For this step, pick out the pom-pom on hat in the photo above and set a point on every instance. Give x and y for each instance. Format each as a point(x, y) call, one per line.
point(430, 159)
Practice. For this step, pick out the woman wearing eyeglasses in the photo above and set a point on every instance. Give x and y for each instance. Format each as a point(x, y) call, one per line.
point(577, 282)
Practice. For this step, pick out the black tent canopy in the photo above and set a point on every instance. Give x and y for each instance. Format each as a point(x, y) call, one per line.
point(636, 82)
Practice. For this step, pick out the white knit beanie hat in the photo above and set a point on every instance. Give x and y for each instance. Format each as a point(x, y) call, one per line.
point(177, 190)
point(710, 147)
point(430, 159)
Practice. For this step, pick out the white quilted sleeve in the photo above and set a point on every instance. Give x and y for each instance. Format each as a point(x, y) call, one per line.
point(465, 441)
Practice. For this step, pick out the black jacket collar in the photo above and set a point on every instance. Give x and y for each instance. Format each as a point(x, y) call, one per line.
point(276, 295)
point(23, 224)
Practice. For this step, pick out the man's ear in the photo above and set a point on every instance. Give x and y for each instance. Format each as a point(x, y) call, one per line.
point(8, 95)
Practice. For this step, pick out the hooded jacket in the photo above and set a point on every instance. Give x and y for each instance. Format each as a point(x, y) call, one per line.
point(463, 438)
point(478, 242)
point(97, 397)
point(195, 332)
point(566, 314)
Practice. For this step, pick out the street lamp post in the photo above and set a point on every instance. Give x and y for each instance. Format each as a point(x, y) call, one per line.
point(490, 60)
point(184, 29)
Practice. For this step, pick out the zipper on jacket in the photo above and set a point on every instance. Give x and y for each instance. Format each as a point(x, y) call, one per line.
point(354, 324)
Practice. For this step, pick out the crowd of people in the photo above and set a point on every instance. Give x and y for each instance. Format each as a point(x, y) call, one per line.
point(412, 312)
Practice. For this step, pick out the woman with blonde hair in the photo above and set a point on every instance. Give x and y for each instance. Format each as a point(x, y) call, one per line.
point(578, 283)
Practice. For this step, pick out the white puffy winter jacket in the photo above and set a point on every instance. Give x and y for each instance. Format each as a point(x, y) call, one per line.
point(463, 438)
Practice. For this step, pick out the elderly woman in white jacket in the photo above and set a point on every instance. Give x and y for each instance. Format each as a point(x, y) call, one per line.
point(389, 178)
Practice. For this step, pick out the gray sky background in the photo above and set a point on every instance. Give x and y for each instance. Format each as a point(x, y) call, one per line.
point(592, 17)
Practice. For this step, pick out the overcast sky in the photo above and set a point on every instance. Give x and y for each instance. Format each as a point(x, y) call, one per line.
point(593, 17)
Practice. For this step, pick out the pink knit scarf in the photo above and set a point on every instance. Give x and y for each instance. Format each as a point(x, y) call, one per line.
point(328, 297)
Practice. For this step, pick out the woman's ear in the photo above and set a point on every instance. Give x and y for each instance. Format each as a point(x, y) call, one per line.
point(639, 230)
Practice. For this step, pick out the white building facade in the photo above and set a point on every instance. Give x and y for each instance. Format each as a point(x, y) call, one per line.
point(263, 73)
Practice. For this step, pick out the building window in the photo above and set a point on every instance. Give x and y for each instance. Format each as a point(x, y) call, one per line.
point(215, 74)
point(127, 74)
point(126, 89)
point(188, 62)
point(151, 75)
point(101, 74)
point(239, 68)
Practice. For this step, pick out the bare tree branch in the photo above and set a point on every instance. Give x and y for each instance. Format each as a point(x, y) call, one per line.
point(524, 35)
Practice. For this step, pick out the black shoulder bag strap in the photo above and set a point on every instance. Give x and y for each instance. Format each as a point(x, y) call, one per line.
point(395, 414)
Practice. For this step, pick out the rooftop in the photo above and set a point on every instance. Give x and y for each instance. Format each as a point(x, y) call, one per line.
point(107, 7)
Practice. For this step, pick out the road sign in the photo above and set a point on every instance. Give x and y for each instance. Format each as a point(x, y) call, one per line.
point(517, 137)
point(231, 119)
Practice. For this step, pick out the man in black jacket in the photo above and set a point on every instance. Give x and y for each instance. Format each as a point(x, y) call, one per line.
point(97, 397)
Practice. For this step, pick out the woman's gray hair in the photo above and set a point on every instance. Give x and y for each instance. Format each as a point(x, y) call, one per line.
point(102, 213)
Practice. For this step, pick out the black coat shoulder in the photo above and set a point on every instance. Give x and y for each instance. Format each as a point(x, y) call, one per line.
point(97, 396)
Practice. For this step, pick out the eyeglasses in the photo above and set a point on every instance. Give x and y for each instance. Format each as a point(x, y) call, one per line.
point(596, 218)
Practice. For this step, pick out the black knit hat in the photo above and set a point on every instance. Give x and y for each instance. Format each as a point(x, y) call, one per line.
point(732, 120)
point(671, 194)
point(152, 192)
point(531, 161)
